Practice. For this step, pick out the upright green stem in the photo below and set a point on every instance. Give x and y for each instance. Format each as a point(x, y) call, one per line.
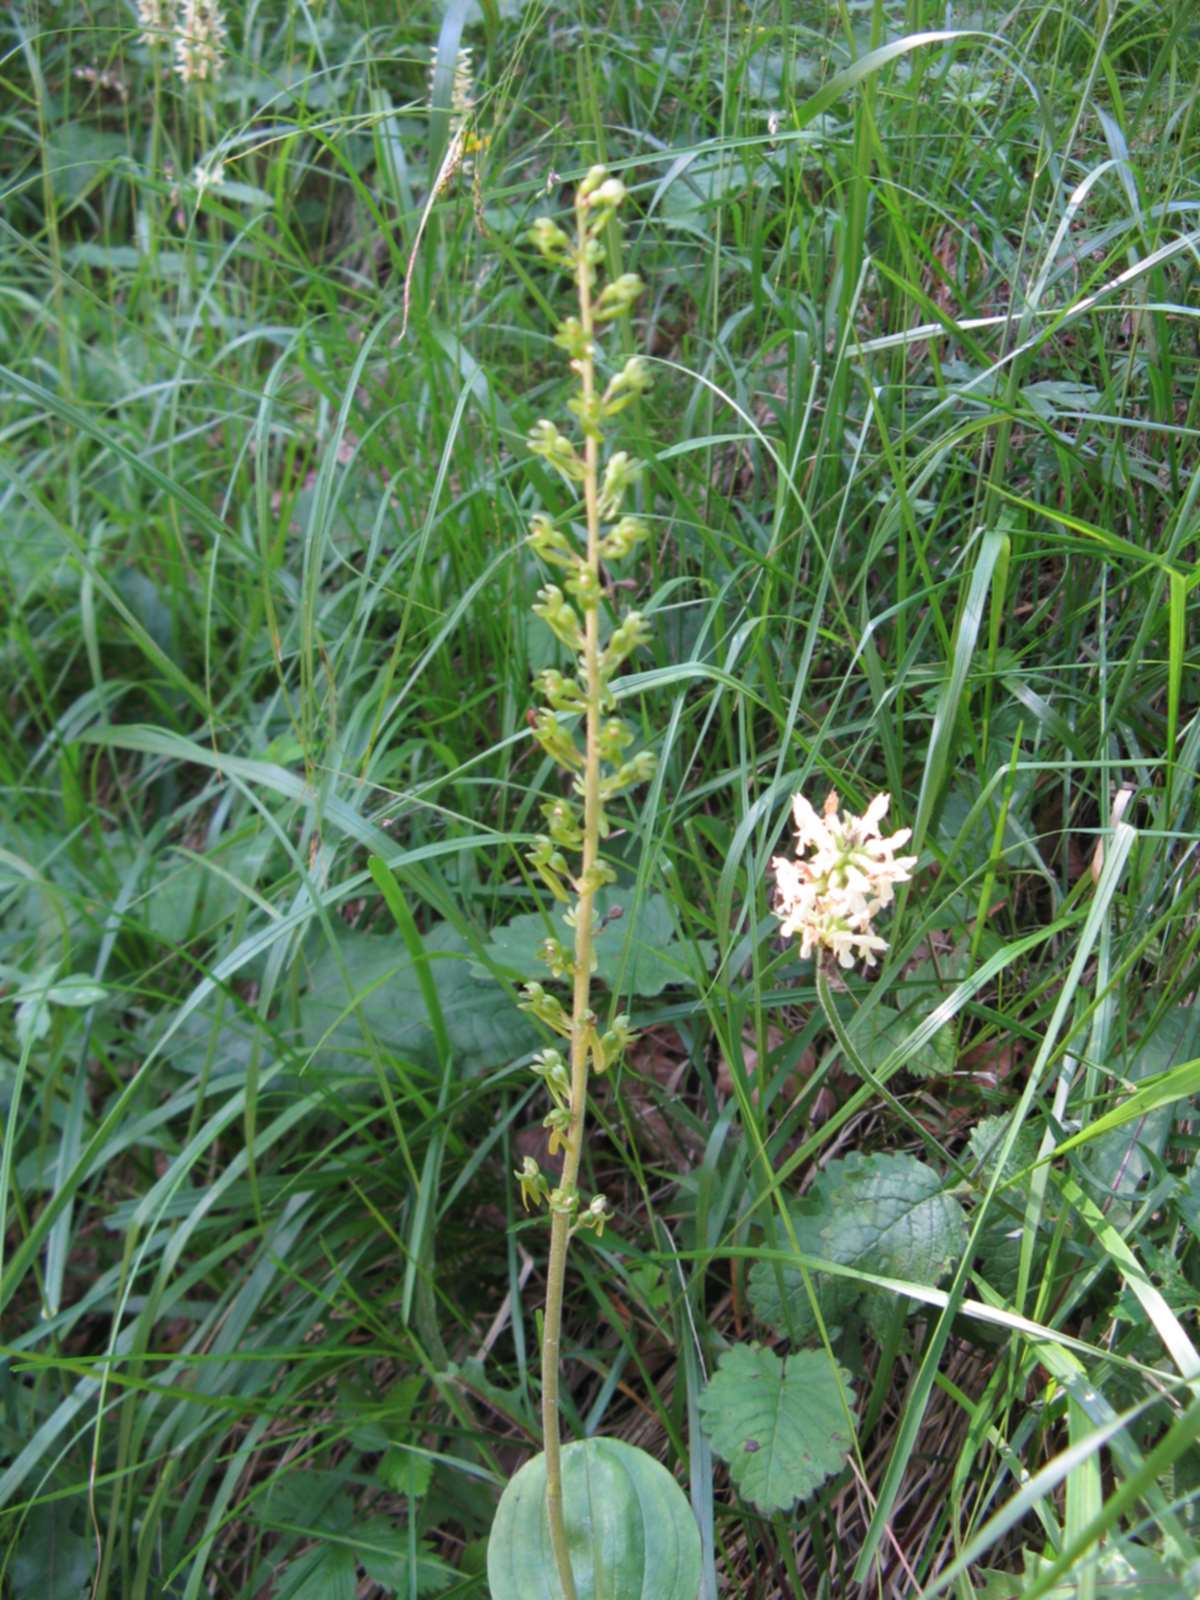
point(560, 1227)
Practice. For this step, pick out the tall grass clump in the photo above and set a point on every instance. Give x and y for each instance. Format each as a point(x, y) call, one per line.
point(899, 1287)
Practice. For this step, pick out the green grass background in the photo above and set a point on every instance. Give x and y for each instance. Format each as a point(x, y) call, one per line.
point(922, 477)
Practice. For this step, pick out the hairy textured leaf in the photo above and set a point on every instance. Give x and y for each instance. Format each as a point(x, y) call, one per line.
point(891, 1215)
point(999, 1240)
point(375, 978)
point(384, 1552)
point(778, 1292)
point(888, 1214)
point(781, 1427)
point(876, 1033)
point(1119, 1161)
point(637, 951)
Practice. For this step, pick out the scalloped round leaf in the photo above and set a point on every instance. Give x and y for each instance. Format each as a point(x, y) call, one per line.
point(630, 1530)
point(778, 1293)
point(782, 1427)
point(891, 1215)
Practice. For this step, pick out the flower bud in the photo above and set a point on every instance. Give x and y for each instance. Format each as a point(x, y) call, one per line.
point(620, 473)
point(551, 543)
point(550, 865)
point(616, 298)
point(551, 242)
point(625, 639)
point(559, 617)
point(556, 742)
point(563, 694)
point(623, 538)
point(632, 380)
point(564, 823)
point(545, 440)
point(615, 737)
point(552, 1069)
point(571, 338)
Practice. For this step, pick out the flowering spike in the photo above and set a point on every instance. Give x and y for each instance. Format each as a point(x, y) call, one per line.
point(599, 769)
point(199, 41)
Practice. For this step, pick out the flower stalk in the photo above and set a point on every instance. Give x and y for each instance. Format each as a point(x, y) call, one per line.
point(568, 857)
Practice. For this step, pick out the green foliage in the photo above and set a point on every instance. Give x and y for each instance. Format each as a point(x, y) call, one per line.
point(883, 1029)
point(782, 1427)
point(54, 1557)
point(630, 1529)
point(368, 988)
point(638, 951)
point(890, 1215)
point(315, 1507)
point(920, 495)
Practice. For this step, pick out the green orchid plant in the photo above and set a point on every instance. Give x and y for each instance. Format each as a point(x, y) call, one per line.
point(596, 1517)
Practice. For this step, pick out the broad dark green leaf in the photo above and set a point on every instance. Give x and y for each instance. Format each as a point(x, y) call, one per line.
point(373, 978)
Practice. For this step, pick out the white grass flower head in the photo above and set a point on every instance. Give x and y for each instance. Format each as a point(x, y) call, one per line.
point(156, 17)
point(208, 174)
point(199, 41)
point(845, 872)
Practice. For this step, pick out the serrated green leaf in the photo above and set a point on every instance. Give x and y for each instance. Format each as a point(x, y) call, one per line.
point(781, 1427)
point(406, 1472)
point(385, 1554)
point(778, 1293)
point(984, 1144)
point(876, 1033)
point(1119, 1160)
point(374, 976)
point(309, 1502)
point(998, 1246)
point(890, 1215)
point(637, 951)
point(329, 1572)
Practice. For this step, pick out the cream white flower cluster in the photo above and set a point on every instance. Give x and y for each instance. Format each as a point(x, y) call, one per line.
point(199, 41)
point(829, 898)
point(156, 18)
